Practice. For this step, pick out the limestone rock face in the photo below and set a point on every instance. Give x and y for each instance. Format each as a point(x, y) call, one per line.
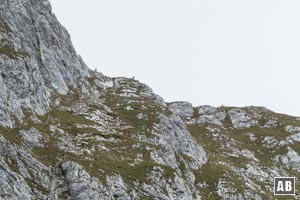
point(70, 133)
point(240, 119)
point(210, 115)
point(19, 171)
point(175, 136)
point(182, 109)
point(36, 59)
point(81, 185)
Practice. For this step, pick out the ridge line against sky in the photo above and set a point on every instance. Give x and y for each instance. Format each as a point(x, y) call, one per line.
point(209, 52)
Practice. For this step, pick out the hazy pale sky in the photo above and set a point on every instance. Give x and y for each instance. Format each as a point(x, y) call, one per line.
point(207, 52)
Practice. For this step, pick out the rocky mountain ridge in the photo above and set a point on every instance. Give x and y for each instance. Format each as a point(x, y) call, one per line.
point(67, 132)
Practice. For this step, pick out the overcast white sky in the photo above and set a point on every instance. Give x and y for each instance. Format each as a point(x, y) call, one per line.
point(233, 52)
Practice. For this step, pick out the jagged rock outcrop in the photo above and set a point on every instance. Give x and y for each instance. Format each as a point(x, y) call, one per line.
point(70, 133)
point(81, 185)
point(240, 119)
point(36, 59)
point(182, 109)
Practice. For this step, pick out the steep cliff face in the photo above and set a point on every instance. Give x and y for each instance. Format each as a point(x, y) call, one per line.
point(36, 58)
point(69, 133)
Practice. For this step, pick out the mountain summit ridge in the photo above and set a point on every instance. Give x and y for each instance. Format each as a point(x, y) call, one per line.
point(67, 132)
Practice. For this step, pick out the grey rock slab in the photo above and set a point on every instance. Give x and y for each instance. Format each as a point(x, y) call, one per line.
point(240, 119)
point(81, 185)
point(182, 109)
